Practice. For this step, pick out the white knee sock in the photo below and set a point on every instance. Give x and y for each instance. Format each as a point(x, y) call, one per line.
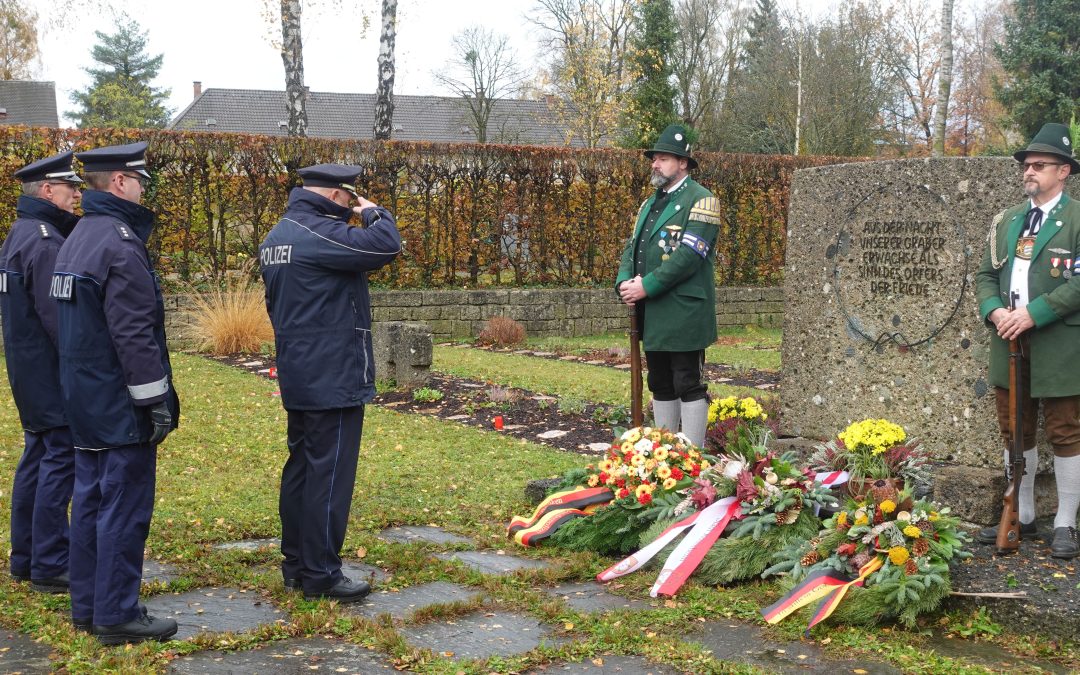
point(666, 414)
point(1067, 472)
point(1027, 484)
point(695, 417)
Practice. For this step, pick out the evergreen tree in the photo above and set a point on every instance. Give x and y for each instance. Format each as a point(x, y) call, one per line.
point(1041, 59)
point(652, 104)
point(121, 94)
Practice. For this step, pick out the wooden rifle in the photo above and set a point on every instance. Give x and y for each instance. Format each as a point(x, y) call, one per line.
point(636, 415)
point(1008, 534)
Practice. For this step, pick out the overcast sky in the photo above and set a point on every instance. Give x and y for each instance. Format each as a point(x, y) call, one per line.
point(227, 43)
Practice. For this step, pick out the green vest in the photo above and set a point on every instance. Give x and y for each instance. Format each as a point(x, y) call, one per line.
point(680, 310)
point(1053, 297)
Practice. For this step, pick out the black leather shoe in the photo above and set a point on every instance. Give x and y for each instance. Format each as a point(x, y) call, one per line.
point(1066, 543)
point(83, 625)
point(988, 535)
point(343, 591)
point(292, 584)
point(144, 628)
point(20, 576)
point(51, 584)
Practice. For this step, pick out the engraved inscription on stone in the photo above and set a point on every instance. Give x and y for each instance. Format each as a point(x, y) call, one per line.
point(899, 271)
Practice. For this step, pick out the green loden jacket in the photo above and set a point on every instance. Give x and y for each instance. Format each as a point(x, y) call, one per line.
point(680, 310)
point(1053, 301)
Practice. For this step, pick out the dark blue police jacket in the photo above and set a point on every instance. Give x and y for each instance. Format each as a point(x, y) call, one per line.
point(114, 363)
point(315, 269)
point(26, 268)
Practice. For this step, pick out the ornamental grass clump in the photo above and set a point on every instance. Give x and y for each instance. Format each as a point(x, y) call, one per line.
point(874, 449)
point(500, 331)
point(231, 319)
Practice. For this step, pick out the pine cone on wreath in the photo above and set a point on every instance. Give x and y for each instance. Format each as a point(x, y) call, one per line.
point(920, 547)
point(810, 558)
point(788, 516)
point(860, 559)
point(910, 568)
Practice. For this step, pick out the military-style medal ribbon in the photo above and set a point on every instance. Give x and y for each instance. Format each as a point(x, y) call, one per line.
point(555, 511)
point(828, 584)
point(704, 526)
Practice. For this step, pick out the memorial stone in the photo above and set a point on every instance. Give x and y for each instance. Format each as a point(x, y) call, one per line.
point(880, 318)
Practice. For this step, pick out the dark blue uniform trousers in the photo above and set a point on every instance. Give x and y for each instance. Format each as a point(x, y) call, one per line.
point(110, 518)
point(316, 493)
point(39, 504)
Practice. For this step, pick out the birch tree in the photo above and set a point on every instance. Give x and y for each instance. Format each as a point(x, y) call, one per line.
point(292, 56)
point(384, 91)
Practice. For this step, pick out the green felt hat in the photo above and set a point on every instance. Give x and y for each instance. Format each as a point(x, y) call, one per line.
point(674, 141)
point(1052, 139)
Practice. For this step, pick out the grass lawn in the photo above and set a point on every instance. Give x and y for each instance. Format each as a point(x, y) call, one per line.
point(217, 481)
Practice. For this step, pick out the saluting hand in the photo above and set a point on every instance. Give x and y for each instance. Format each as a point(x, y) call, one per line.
point(363, 203)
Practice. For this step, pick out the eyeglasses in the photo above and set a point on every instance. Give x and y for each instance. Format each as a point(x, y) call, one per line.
point(1038, 166)
point(143, 180)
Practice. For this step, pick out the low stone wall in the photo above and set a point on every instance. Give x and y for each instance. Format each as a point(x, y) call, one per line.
point(555, 311)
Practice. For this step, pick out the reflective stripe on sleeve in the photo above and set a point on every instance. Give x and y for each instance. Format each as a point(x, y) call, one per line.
point(140, 392)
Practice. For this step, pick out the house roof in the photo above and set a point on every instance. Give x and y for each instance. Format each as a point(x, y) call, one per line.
point(28, 102)
point(337, 115)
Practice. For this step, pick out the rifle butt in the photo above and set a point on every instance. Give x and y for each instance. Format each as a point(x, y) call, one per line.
point(1008, 533)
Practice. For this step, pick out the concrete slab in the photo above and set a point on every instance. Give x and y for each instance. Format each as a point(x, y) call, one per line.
point(591, 597)
point(215, 610)
point(154, 571)
point(490, 562)
point(608, 665)
point(22, 654)
point(288, 656)
point(402, 603)
point(411, 534)
point(248, 545)
point(480, 635)
point(358, 571)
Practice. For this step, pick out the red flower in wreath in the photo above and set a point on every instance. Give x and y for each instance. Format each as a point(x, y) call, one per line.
point(846, 549)
point(645, 498)
point(624, 493)
point(677, 473)
point(695, 470)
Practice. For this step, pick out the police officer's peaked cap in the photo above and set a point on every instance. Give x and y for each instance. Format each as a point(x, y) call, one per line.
point(55, 168)
point(1052, 139)
point(341, 176)
point(130, 157)
point(674, 141)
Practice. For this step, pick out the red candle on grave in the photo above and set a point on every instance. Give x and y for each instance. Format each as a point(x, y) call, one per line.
point(498, 422)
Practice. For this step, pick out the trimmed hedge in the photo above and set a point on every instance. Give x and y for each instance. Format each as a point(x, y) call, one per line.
point(471, 214)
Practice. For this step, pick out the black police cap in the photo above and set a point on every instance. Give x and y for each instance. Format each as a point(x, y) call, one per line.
point(130, 157)
point(341, 176)
point(55, 168)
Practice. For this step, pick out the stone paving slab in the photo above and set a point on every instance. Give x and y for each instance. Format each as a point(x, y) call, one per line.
point(21, 654)
point(608, 665)
point(745, 643)
point(289, 656)
point(249, 544)
point(358, 571)
point(481, 634)
point(490, 562)
point(411, 534)
point(154, 571)
point(214, 610)
point(399, 604)
point(591, 597)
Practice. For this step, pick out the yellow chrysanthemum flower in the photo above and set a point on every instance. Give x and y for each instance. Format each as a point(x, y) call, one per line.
point(841, 518)
point(898, 555)
point(606, 466)
point(627, 446)
point(655, 436)
point(663, 472)
point(670, 483)
point(650, 465)
point(887, 506)
point(861, 519)
point(705, 464)
point(660, 454)
point(632, 436)
point(644, 489)
point(638, 460)
point(912, 532)
point(934, 515)
point(593, 480)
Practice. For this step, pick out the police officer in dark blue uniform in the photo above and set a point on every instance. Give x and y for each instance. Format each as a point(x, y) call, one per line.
point(315, 267)
point(43, 479)
point(118, 394)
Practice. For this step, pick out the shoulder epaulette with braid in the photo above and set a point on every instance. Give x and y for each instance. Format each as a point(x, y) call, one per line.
point(707, 210)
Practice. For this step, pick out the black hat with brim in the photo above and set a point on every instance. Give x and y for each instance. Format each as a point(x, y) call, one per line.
point(130, 157)
point(674, 141)
point(1052, 139)
point(55, 168)
point(340, 176)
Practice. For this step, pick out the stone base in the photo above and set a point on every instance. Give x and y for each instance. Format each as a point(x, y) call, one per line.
point(974, 494)
point(403, 351)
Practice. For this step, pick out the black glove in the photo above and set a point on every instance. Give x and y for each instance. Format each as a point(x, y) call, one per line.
point(162, 419)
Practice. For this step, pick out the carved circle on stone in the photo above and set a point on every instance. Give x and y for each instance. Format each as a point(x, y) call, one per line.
point(900, 265)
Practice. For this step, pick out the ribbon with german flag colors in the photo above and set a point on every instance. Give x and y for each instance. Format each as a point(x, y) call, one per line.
point(555, 511)
point(830, 585)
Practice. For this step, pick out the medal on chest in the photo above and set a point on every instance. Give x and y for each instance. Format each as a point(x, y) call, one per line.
point(669, 240)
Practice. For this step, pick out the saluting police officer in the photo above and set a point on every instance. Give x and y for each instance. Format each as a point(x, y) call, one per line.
point(315, 267)
point(43, 479)
point(118, 394)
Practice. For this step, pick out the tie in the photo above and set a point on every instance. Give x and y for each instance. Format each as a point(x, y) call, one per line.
point(1032, 222)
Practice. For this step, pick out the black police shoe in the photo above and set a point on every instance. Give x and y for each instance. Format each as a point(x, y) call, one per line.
point(988, 535)
point(58, 584)
point(292, 584)
point(343, 591)
point(144, 628)
point(20, 576)
point(1066, 543)
point(83, 625)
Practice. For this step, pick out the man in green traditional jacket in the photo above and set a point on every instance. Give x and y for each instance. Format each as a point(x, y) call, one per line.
point(1034, 252)
point(667, 275)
